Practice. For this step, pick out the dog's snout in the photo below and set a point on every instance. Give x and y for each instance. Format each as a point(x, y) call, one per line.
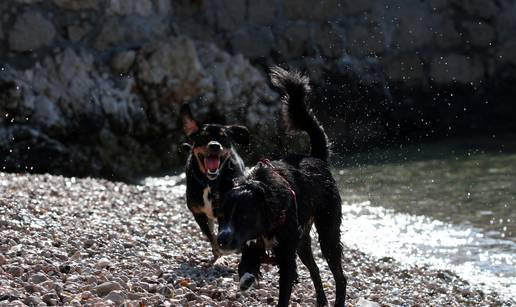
point(214, 145)
point(224, 238)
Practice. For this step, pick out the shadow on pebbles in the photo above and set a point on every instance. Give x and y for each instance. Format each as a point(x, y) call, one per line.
point(68, 241)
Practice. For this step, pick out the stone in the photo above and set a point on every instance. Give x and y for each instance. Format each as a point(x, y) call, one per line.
point(110, 35)
point(166, 291)
point(86, 295)
point(295, 41)
point(122, 62)
point(456, 68)
point(68, 92)
point(33, 300)
point(31, 31)
point(3, 260)
point(50, 298)
point(230, 14)
point(107, 287)
point(77, 4)
point(76, 33)
point(262, 13)
point(130, 7)
point(38, 278)
point(14, 270)
point(170, 70)
point(324, 10)
point(117, 297)
point(481, 34)
point(362, 302)
point(253, 43)
point(47, 113)
point(103, 263)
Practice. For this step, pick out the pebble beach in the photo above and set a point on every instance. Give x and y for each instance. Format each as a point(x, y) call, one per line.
point(75, 242)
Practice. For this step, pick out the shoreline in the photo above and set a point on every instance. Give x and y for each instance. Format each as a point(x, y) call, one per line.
point(91, 241)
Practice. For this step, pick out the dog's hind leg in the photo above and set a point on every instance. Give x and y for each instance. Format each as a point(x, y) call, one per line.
point(206, 226)
point(304, 252)
point(328, 228)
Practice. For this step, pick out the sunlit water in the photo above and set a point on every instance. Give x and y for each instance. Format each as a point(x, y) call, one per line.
point(448, 205)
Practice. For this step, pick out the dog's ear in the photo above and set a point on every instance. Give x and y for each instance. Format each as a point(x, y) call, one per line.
point(190, 125)
point(239, 134)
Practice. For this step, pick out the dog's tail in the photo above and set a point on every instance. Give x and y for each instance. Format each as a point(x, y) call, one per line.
point(295, 89)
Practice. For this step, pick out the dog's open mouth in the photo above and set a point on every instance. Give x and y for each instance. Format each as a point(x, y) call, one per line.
point(212, 164)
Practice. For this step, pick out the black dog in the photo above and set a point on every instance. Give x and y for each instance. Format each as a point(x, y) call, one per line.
point(212, 165)
point(273, 208)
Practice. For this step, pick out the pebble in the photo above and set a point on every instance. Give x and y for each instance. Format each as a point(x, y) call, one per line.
point(166, 291)
point(86, 295)
point(33, 300)
point(362, 302)
point(116, 296)
point(103, 263)
point(15, 271)
point(3, 260)
point(107, 287)
point(109, 243)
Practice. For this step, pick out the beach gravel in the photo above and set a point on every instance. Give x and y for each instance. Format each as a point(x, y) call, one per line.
point(70, 241)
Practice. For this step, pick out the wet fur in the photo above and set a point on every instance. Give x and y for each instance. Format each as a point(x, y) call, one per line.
point(266, 194)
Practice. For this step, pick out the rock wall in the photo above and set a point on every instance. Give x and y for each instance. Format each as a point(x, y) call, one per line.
point(93, 86)
point(70, 115)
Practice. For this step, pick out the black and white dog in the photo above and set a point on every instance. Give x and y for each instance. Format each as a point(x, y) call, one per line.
point(274, 207)
point(212, 165)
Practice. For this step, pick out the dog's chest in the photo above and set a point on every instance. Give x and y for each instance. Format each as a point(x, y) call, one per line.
point(207, 198)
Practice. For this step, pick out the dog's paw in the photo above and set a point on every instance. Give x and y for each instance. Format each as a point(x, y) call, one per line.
point(246, 281)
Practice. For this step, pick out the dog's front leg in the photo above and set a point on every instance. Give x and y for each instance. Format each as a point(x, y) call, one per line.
point(249, 266)
point(206, 226)
point(286, 258)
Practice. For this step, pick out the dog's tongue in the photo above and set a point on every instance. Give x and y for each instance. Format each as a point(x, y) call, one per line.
point(212, 163)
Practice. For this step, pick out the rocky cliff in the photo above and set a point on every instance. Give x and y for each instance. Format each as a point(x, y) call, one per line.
point(93, 86)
